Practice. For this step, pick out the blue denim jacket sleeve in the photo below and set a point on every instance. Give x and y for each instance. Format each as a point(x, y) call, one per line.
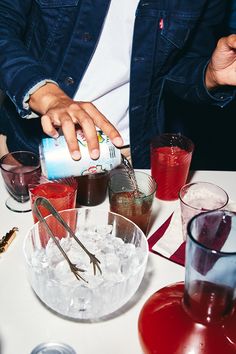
point(187, 78)
point(19, 71)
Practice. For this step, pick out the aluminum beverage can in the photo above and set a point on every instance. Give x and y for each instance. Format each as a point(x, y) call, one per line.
point(53, 348)
point(56, 161)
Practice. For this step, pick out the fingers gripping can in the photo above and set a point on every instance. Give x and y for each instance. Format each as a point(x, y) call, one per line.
point(56, 161)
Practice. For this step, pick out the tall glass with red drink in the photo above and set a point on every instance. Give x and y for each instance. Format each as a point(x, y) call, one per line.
point(171, 156)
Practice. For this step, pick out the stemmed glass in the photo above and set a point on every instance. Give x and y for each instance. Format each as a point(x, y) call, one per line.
point(19, 169)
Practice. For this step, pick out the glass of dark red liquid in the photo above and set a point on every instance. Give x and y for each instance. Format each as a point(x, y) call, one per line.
point(92, 188)
point(199, 315)
point(19, 169)
point(171, 156)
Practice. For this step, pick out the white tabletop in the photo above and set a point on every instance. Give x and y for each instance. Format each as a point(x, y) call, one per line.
point(25, 321)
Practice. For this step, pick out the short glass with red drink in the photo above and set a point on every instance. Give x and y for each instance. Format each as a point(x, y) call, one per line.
point(61, 194)
point(171, 155)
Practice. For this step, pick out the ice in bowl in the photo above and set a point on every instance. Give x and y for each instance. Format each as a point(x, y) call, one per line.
point(119, 245)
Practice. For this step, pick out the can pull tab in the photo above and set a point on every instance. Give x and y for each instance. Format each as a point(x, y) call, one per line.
point(7, 239)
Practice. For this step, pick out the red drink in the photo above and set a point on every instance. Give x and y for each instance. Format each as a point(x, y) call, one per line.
point(166, 328)
point(19, 169)
point(200, 316)
point(17, 180)
point(62, 196)
point(207, 302)
point(169, 167)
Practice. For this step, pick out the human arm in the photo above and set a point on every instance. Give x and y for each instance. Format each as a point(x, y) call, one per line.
point(58, 110)
point(28, 61)
point(190, 78)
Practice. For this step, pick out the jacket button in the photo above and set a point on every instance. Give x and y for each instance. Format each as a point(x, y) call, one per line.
point(86, 37)
point(69, 80)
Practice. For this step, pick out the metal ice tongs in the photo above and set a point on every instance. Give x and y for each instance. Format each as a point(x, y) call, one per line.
point(75, 270)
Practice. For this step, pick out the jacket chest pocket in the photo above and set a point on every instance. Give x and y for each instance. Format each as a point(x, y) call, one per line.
point(56, 3)
point(164, 33)
point(174, 33)
point(177, 28)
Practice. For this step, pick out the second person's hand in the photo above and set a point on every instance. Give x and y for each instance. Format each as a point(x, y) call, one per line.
point(221, 69)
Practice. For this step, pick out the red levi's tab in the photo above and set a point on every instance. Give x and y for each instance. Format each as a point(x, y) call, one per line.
point(161, 23)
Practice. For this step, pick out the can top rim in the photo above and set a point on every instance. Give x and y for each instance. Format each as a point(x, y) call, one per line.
point(62, 348)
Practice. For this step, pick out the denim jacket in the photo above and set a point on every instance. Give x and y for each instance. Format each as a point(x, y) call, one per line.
point(55, 40)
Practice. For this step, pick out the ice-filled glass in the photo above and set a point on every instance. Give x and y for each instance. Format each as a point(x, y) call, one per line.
point(119, 245)
point(197, 197)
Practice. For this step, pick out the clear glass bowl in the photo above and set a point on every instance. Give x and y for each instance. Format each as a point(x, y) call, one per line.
point(117, 242)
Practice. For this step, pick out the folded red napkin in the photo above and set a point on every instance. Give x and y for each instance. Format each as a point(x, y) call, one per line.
point(167, 240)
point(163, 243)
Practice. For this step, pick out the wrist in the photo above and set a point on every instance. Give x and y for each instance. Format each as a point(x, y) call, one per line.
point(210, 78)
point(45, 98)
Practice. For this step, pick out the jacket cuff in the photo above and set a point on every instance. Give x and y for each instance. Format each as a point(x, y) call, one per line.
point(25, 83)
point(26, 106)
point(219, 96)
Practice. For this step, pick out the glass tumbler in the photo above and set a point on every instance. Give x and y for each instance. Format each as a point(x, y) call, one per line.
point(199, 315)
point(171, 156)
point(199, 197)
point(134, 205)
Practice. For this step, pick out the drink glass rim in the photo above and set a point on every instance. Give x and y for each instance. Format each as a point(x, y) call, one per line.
point(156, 138)
point(153, 190)
point(69, 181)
point(201, 244)
point(36, 167)
point(202, 182)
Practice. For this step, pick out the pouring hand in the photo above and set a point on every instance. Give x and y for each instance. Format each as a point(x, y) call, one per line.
point(59, 110)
